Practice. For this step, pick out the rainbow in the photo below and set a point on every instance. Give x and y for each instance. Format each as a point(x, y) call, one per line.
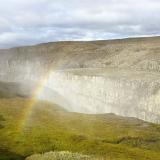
point(27, 111)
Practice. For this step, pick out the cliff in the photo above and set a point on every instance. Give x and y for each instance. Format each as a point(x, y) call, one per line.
point(118, 76)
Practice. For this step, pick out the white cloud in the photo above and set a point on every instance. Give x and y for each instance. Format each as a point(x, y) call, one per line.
point(34, 21)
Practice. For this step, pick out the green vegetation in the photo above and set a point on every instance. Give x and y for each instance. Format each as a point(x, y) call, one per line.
point(63, 155)
point(8, 89)
point(1, 121)
point(50, 128)
point(6, 155)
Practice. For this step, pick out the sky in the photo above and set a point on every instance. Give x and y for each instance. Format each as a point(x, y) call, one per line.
point(28, 22)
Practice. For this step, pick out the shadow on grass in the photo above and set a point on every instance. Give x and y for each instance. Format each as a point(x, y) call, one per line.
point(1, 121)
point(6, 155)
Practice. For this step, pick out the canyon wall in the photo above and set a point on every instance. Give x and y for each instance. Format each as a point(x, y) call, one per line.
point(111, 91)
point(118, 76)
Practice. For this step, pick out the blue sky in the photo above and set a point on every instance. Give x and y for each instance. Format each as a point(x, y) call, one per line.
point(27, 22)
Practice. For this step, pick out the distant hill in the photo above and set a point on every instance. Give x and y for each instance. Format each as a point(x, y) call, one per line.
point(131, 53)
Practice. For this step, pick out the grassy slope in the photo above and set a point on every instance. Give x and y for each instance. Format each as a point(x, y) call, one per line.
point(50, 128)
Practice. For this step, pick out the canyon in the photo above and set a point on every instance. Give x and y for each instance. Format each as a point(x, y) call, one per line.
point(96, 77)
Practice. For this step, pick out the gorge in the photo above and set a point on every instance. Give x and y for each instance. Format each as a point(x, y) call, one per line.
point(114, 76)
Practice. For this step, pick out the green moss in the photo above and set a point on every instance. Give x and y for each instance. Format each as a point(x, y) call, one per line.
point(50, 128)
point(6, 155)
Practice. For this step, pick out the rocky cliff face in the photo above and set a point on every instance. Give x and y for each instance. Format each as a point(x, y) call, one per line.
point(119, 76)
point(94, 91)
